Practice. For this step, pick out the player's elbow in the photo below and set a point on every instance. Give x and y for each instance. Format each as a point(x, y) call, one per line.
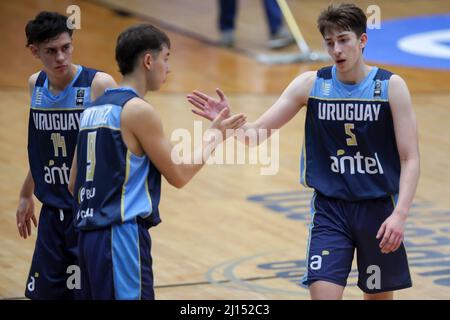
point(178, 183)
point(177, 179)
point(71, 184)
point(71, 187)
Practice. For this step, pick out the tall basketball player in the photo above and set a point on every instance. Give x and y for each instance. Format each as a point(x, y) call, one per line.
point(360, 155)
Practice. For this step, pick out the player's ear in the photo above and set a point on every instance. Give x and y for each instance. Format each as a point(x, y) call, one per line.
point(148, 61)
point(34, 50)
point(363, 41)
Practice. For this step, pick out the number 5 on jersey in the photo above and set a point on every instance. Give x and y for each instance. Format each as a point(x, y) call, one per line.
point(348, 131)
point(90, 163)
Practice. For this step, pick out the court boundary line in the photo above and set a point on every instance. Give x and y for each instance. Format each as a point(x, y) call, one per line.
point(177, 285)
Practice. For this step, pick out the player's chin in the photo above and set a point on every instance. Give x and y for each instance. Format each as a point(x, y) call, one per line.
point(61, 71)
point(341, 64)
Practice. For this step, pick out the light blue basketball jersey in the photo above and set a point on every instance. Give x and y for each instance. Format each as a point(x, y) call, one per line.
point(52, 134)
point(350, 151)
point(113, 185)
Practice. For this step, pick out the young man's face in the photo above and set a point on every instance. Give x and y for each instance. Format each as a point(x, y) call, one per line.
point(160, 69)
point(344, 47)
point(55, 54)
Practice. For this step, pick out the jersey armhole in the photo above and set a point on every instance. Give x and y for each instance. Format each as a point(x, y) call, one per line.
point(121, 136)
point(32, 93)
point(313, 87)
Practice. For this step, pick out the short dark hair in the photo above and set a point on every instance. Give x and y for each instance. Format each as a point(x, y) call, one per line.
point(45, 26)
point(136, 40)
point(343, 17)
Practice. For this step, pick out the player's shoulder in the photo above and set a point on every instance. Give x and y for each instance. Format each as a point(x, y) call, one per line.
point(303, 83)
point(32, 81)
point(139, 107)
point(310, 77)
point(140, 112)
point(305, 78)
point(101, 82)
point(104, 79)
point(397, 84)
point(395, 79)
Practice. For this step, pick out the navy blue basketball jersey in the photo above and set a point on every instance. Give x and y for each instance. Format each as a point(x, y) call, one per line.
point(52, 134)
point(113, 185)
point(350, 151)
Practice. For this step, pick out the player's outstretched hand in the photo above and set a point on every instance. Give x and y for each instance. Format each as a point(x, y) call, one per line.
point(24, 216)
point(224, 121)
point(206, 106)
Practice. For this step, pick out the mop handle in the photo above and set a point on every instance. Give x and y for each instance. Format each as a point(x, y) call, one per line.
point(293, 26)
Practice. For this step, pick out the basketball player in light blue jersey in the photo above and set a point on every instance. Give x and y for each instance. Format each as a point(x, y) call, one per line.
point(59, 93)
point(116, 179)
point(360, 155)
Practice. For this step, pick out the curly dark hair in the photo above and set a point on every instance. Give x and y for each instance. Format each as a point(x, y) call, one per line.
point(45, 26)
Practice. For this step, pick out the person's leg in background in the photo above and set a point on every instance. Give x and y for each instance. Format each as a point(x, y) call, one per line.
point(279, 36)
point(227, 15)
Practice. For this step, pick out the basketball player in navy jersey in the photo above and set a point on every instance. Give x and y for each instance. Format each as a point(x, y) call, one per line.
point(59, 93)
point(116, 180)
point(360, 155)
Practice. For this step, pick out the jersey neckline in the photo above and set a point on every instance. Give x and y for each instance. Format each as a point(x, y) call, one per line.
point(122, 89)
point(66, 89)
point(351, 87)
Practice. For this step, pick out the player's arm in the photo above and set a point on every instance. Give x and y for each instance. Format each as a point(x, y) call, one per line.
point(141, 121)
point(294, 97)
point(25, 209)
point(101, 82)
point(73, 173)
point(408, 149)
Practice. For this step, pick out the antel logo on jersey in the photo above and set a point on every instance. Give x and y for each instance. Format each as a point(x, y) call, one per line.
point(56, 175)
point(355, 164)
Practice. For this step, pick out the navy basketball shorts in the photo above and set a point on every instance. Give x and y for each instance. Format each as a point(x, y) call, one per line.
point(54, 254)
point(339, 227)
point(116, 262)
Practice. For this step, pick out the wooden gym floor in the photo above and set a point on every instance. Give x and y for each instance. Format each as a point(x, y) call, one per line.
point(231, 233)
